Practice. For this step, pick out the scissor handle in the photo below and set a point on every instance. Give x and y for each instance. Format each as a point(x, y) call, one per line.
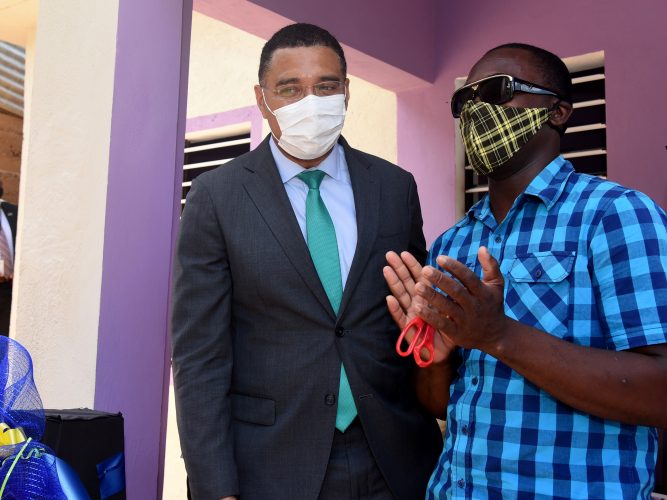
point(425, 343)
point(423, 339)
point(418, 323)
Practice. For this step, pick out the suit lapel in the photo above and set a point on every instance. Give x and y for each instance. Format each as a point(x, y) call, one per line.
point(266, 190)
point(366, 190)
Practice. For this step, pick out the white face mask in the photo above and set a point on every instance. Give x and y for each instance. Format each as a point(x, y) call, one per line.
point(311, 126)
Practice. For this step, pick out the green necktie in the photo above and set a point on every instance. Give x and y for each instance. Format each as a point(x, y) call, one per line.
point(321, 237)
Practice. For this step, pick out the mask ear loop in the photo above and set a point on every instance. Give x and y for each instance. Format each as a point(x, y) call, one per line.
point(266, 104)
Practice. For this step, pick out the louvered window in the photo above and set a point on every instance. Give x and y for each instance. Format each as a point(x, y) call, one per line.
point(12, 72)
point(585, 140)
point(206, 154)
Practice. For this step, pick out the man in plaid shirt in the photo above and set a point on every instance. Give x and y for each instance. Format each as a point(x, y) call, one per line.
point(550, 301)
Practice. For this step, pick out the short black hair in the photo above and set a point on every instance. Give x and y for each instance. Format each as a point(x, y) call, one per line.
point(299, 35)
point(556, 75)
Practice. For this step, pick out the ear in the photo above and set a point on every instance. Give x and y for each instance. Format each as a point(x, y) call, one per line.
point(347, 91)
point(560, 114)
point(261, 104)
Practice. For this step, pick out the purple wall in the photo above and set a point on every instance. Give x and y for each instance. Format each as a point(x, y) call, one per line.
point(398, 32)
point(384, 43)
point(419, 49)
point(634, 40)
point(398, 45)
point(145, 166)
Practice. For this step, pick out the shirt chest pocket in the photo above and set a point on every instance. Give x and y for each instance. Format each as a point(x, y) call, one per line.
point(538, 290)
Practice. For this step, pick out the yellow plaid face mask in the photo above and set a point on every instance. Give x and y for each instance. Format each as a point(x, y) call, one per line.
point(492, 134)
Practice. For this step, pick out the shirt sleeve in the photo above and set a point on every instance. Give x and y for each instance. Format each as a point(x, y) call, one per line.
point(628, 263)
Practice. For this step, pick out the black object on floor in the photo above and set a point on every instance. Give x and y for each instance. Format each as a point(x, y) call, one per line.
point(92, 443)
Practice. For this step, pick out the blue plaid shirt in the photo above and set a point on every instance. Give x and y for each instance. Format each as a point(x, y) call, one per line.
point(586, 261)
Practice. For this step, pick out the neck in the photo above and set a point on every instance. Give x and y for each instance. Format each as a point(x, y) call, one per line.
point(513, 178)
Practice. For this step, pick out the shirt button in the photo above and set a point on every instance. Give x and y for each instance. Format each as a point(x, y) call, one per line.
point(538, 273)
point(464, 430)
point(474, 380)
point(498, 239)
point(461, 483)
point(330, 399)
point(340, 332)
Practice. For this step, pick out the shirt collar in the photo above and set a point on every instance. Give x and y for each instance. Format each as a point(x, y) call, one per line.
point(288, 169)
point(547, 186)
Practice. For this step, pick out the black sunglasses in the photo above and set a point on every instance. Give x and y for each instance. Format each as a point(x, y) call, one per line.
point(495, 89)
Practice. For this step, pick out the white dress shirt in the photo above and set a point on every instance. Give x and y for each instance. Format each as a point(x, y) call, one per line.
point(337, 195)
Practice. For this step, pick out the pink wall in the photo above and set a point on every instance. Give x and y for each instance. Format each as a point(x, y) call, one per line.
point(634, 39)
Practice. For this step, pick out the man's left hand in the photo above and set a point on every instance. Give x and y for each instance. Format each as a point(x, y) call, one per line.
point(472, 311)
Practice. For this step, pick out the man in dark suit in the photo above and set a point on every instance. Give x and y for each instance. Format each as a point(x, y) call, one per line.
point(8, 215)
point(286, 378)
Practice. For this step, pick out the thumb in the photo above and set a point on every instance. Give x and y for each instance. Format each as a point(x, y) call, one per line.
point(491, 269)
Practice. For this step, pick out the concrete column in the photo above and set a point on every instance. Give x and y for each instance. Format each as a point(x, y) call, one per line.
point(65, 166)
point(105, 119)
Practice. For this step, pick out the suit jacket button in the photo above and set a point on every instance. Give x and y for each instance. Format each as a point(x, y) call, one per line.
point(340, 332)
point(330, 399)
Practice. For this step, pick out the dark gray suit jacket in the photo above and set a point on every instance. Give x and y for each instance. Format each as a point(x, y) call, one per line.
point(11, 212)
point(257, 347)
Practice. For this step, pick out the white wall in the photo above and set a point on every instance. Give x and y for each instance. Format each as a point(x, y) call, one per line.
point(63, 195)
point(223, 71)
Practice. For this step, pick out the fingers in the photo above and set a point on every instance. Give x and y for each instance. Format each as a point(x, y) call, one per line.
point(406, 267)
point(396, 311)
point(401, 274)
point(441, 319)
point(397, 287)
point(435, 303)
point(460, 271)
point(393, 281)
point(463, 308)
point(452, 288)
point(393, 259)
point(490, 267)
point(412, 264)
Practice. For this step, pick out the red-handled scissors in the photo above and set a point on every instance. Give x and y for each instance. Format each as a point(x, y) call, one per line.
point(423, 339)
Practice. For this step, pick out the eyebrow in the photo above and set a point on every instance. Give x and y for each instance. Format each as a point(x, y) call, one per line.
point(323, 78)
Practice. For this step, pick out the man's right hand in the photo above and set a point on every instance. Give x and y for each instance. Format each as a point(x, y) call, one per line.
point(402, 274)
point(431, 383)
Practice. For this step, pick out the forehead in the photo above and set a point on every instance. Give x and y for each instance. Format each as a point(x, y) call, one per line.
point(516, 62)
point(303, 63)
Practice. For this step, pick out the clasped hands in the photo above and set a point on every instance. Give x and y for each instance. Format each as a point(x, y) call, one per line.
point(468, 313)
